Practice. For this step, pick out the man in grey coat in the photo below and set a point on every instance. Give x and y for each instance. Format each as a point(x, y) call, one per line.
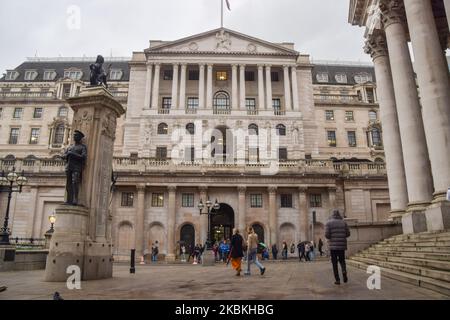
point(337, 232)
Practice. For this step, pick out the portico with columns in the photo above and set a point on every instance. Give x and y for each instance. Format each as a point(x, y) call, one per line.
point(415, 111)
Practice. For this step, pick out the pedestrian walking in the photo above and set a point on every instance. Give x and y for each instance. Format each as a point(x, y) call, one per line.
point(292, 248)
point(236, 251)
point(252, 245)
point(337, 232)
point(320, 246)
point(301, 251)
point(274, 251)
point(284, 250)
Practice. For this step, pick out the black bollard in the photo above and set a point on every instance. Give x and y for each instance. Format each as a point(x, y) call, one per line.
point(132, 268)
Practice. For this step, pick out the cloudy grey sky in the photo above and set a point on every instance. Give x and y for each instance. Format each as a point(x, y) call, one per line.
point(27, 28)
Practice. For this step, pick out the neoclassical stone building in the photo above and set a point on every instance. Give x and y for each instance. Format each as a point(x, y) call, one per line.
point(277, 140)
point(414, 103)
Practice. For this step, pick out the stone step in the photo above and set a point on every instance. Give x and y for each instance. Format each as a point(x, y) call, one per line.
point(432, 249)
point(417, 270)
point(432, 239)
point(427, 263)
point(424, 282)
point(416, 244)
point(421, 236)
point(412, 254)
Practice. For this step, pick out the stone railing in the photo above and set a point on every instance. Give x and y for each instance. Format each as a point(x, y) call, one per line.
point(27, 95)
point(337, 98)
point(150, 165)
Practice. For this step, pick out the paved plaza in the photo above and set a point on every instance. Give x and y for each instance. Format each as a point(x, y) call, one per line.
point(282, 281)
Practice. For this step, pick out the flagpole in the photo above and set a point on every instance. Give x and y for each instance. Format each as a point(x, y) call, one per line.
point(221, 15)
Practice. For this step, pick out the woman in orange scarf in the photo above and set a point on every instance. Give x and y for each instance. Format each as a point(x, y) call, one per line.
point(236, 252)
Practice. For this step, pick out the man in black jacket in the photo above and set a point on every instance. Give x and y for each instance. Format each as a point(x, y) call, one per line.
point(337, 232)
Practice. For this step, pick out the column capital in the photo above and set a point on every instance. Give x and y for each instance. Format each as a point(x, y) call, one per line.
point(202, 65)
point(260, 66)
point(210, 65)
point(376, 45)
point(268, 66)
point(332, 189)
point(172, 188)
point(157, 64)
point(272, 189)
point(242, 65)
point(286, 66)
point(234, 65)
point(175, 64)
point(242, 189)
point(392, 11)
point(140, 187)
point(302, 189)
point(149, 64)
point(203, 188)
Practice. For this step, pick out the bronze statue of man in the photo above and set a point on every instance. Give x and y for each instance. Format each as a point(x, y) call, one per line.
point(75, 157)
point(98, 74)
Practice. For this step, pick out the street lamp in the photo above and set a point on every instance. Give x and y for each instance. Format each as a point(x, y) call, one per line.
point(10, 183)
point(52, 219)
point(209, 206)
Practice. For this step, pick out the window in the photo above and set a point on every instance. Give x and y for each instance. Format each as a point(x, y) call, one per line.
point(161, 153)
point(322, 77)
point(63, 112)
point(166, 103)
point(253, 154)
point(66, 90)
point(250, 103)
point(376, 137)
point(189, 154)
point(351, 138)
point(30, 75)
point(1, 112)
point(256, 200)
point(362, 78)
point(163, 128)
point(34, 136)
point(373, 116)
point(370, 95)
point(253, 129)
point(276, 104)
point(168, 75)
point(249, 76)
point(349, 116)
point(37, 113)
point(115, 74)
point(187, 200)
point(14, 136)
point(127, 199)
point(194, 75)
point(73, 74)
point(331, 136)
point(190, 128)
point(221, 76)
point(11, 75)
point(18, 112)
point(286, 200)
point(341, 78)
point(58, 138)
point(49, 75)
point(282, 154)
point(274, 76)
point(281, 130)
point(222, 101)
point(157, 199)
point(315, 200)
point(192, 103)
point(329, 115)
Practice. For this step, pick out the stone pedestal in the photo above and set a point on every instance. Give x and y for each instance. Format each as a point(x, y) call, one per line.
point(208, 259)
point(7, 258)
point(81, 234)
point(438, 216)
point(414, 222)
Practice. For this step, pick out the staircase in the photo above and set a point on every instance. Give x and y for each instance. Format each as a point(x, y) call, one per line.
point(422, 259)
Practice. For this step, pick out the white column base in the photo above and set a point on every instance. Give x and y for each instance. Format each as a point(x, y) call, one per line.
point(414, 222)
point(208, 259)
point(438, 216)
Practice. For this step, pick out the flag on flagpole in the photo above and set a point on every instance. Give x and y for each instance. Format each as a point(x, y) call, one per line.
point(228, 5)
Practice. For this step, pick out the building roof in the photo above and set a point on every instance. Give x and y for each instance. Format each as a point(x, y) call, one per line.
point(349, 69)
point(60, 65)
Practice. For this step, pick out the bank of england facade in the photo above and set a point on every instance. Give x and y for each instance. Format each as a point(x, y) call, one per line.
point(277, 139)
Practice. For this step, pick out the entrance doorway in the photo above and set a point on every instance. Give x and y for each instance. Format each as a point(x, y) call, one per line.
point(187, 237)
point(222, 223)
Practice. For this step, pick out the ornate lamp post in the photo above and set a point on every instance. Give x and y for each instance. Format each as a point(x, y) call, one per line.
point(12, 182)
point(52, 219)
point(209, 206)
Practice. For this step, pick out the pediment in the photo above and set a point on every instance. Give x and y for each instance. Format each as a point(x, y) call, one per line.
point(222, 41)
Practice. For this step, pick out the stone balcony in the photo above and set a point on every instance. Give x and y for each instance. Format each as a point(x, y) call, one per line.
point(155, 166)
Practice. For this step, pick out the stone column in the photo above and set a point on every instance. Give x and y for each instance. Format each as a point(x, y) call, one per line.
point(295, 98)
point(209, 87)
point(140, 214)
point(273, 228)
point(201, 86)
point(182, 101)
point(242, 87)
point(268, 88)
point(303, 223)
point(261, 104)
point(204, 217)
point(171, 219)
point(155, 92)
point(80, 237)
point(234, 87)
point(242, 207)
point(447, 10)
point(148, 86)
point(287, 88)
point(175, 86)
point(332, 197)
point(417, 168)
point(398, 192)
point(433, 77)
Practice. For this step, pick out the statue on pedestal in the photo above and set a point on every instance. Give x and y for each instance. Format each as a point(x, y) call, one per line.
point(98, 74)
point(75, 157)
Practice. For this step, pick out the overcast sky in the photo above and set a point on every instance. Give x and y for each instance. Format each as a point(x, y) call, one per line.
point(46, 29)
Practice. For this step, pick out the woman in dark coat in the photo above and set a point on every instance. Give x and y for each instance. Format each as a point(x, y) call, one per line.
point(236, 251)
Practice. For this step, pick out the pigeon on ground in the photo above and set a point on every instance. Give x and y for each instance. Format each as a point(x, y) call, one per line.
point(57, 296)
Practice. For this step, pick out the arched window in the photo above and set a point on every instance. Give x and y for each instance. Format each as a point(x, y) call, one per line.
point(63, 112)
point(58, 137)
point(379, 160)
point(373, 116)
point(253, 129)
point(190, 128)
point(221, 103)
point(281, 130)
point(163, 128)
